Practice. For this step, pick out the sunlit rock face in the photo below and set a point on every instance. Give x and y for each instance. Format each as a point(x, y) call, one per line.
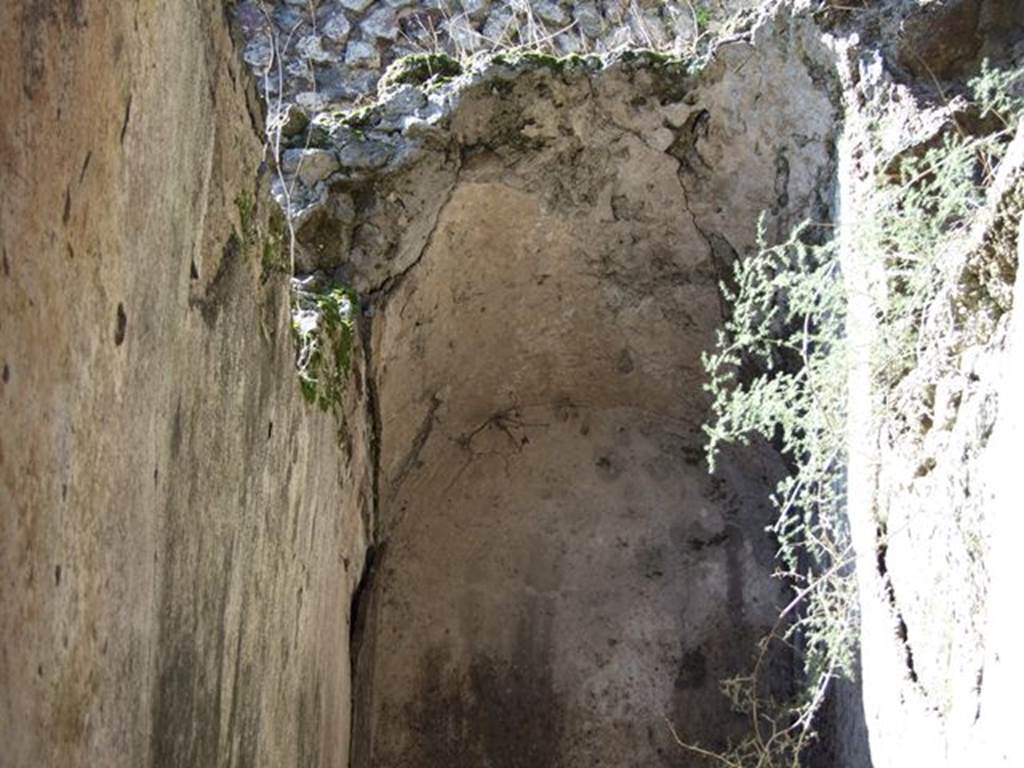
point(929, 489)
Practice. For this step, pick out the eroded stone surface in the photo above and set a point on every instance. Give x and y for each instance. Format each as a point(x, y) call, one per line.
point(180, 533)
point(540, 256)
point(538, 247)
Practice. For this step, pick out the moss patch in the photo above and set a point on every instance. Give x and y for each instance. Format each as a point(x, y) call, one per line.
point(539, 60)
point(269, 244)
point(419, 69)
point(274, 257)
point(246, 205)
point(670, 75)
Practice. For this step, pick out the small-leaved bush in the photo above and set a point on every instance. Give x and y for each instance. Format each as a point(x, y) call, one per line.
point(925, 219)
point(779, 370)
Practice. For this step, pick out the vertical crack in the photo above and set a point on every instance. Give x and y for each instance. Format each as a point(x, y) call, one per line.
point(361, 649)
point(361, 641)
point(359, 610)
point(721, 252)
point(881, 553)
point(411, 460)
point(393, 281)
point(372, 519)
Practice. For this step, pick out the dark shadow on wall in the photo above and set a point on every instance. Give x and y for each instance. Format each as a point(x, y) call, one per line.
point(496, 712)
point(842, 728)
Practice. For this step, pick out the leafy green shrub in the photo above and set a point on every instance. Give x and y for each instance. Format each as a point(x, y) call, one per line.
point(924, 221)
point(701, 16)
point(788, 320)
point(323, 326)
point(779, 370)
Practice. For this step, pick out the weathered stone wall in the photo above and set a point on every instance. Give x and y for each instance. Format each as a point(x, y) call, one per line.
point(331, 53)
point(180, 534)
point(539, 246)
